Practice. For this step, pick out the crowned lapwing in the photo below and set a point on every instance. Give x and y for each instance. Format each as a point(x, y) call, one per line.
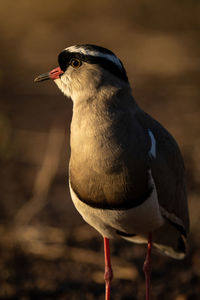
point(126, 171)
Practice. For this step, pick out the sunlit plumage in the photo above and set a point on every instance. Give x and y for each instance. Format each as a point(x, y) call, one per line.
point(126, 171)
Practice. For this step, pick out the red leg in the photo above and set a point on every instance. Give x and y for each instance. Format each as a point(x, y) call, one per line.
point(147, 266)
point(108, 269)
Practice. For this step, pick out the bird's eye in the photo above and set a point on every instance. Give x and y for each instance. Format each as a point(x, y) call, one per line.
point(75, 63)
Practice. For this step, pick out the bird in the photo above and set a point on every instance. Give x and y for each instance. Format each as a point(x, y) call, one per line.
point(126, 171)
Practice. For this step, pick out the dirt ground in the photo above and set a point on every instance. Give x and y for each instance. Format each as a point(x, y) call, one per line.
point(46, 249)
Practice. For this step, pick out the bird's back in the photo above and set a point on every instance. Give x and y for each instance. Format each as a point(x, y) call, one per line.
point(168, 172)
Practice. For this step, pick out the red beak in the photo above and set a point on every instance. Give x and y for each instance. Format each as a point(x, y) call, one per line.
point(54, 74)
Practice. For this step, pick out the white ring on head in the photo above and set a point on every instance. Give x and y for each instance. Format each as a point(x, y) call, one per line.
point(84, 51)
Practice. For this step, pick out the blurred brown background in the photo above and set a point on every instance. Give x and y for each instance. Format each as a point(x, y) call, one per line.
point(46, 250)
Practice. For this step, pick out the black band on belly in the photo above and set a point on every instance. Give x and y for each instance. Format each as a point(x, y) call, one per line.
point(127, 202)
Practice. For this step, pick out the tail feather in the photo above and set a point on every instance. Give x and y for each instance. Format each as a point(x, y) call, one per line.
point(170, 241)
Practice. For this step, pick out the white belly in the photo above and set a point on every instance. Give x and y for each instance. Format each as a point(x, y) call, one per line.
point(138, 220)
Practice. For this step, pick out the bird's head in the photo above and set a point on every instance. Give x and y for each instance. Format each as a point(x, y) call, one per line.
point(83, 69)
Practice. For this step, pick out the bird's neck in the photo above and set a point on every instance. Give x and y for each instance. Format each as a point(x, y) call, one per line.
point(103, 102)
point(95, 123)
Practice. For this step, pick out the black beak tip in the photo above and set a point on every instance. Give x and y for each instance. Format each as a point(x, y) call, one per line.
point(42, 77)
